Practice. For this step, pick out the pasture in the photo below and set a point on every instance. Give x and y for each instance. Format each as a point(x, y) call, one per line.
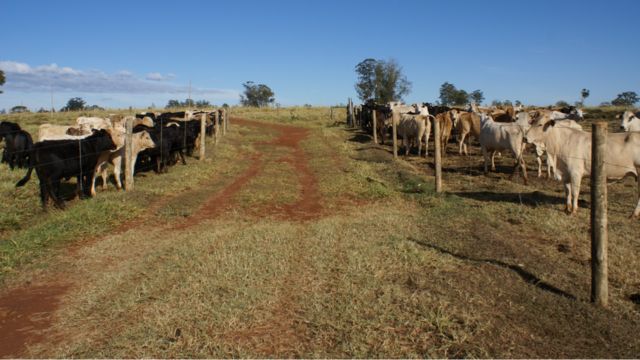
point(299, 237)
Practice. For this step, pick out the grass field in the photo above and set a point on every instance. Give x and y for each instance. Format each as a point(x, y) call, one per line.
point(299, 237)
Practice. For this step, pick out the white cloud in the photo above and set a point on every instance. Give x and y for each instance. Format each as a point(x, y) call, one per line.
point(24, 78)
point(156, 76)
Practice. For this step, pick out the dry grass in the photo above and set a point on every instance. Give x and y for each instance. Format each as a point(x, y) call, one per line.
point(492, 268)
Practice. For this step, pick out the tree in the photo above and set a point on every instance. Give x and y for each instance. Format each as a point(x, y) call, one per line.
point(518, 102)
point(496, 103)
point(172, 104)
point(477, 96)
point(562, 103)
point(627, 98)
point(94, 107)
point(381, 80)
point(19, 109)
point(584, 93)
point(2, 79)
point(257, 95)
point(74, 104)
point(202, 104)
point(507, 103)
point(449, 95)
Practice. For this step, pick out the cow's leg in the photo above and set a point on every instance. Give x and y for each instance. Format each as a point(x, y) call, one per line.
point(485, 154)
point(44, 194)
point(54, 192)
point(567, 192)
point(636, 212)
point(117, 170)
point(539, 161)
point(427, 134)
point(462, 143)
point(182, 157)
point(523, 165)
point(493, 161)
point(575, 192)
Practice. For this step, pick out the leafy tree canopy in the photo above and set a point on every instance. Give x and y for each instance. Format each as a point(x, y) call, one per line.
point(381, 80)
point(256, 95)
point(627, 98)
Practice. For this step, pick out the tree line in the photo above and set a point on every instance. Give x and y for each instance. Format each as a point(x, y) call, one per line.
point(383, 81)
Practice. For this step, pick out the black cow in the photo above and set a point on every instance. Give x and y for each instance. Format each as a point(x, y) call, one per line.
point(160, 156)
point(18, 143)
point(55, 160)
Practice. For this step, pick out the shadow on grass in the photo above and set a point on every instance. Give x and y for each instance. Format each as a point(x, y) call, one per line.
point(532, 199)
point(525, 275)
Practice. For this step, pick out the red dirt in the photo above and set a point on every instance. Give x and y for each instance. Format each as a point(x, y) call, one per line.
point(26, 312)
point(308, 207)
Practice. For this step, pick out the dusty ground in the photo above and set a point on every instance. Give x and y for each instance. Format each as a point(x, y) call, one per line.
point(318, 245)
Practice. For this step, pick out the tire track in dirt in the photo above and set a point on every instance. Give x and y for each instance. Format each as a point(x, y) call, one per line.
point(28, 311)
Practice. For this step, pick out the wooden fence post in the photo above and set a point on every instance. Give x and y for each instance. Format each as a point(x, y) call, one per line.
point(203, 129)
point(128, 155)
point(375, 127)
point(216, 129)
point(437, 156)
point(599, 236)
point(331, 113)
point(226, 117)
point(395, 135)
point(224, 123)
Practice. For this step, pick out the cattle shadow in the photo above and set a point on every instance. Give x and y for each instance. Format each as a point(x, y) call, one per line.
point(532, 199)
point(525, 275)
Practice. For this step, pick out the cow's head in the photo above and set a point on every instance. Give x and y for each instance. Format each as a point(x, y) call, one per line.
point(145, 141)
point(536, 133)
point(627, 118)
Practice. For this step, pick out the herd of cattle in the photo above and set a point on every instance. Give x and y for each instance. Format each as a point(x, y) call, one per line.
point(85, 150)
point(553, 133)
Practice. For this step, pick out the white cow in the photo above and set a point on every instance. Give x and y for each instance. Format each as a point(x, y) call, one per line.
point(62, 132)
point(495, 136)
point(572, 150)
point(400, 107)
point(94, 122)
point(412, 128)
point(630, 122)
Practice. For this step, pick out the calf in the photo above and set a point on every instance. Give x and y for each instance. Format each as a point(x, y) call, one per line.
point(139, 142)
point(58, 159)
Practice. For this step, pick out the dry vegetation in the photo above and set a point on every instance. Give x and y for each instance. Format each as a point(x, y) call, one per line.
point(386, 268)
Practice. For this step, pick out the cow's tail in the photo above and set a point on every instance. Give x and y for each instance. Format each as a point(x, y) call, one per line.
point(32, 164)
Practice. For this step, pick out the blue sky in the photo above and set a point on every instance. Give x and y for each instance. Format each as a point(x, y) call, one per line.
point(134, 53)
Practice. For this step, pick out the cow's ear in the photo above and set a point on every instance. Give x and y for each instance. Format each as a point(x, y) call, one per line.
point(549, 124)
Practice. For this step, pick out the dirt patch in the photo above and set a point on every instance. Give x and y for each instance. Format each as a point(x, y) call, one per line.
point(25, 313)
point(308, 207)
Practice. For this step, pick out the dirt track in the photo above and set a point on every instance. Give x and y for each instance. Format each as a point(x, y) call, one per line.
point(26, 312)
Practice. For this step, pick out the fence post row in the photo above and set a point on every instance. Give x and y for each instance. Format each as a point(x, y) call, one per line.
point(599, 236)
point(128, 155)
point(224, 124)
point(203, 129)
point(437, 156)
